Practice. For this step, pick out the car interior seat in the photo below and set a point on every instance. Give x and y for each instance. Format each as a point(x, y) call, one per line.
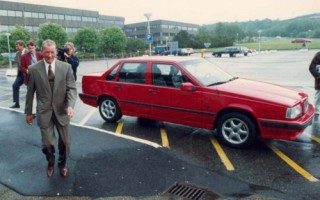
point(176, 80)
point(157, 78)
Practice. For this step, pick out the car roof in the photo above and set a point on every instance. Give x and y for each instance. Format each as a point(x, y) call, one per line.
point(161, 58)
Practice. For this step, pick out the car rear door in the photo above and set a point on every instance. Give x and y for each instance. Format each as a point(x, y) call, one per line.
point(130, 89)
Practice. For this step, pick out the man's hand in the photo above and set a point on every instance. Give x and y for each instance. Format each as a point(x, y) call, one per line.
point(70, 112)
point(29, 119)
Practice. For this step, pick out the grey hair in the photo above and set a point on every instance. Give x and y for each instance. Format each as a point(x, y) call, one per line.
point(48, 42)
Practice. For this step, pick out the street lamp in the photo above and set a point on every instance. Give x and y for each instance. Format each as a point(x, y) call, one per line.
point(8, 35)
point(148, 15)
point(259, 31)
point(167, 41)
point(309, 33)
point(237, 38)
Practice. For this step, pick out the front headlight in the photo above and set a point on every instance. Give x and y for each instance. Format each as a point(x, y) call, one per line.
point(294, 112)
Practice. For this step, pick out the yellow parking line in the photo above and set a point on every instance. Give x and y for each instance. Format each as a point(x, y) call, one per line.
point(164, 138)
point(87, 117)
point(313, 137)
point(294, 165)
point(225, 160)
point(119, 127)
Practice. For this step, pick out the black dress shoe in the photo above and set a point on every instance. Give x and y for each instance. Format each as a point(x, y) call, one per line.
point(16, 105)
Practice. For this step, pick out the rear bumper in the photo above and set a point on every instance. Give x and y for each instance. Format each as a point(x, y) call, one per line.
point(288, 130)
point(89, 99)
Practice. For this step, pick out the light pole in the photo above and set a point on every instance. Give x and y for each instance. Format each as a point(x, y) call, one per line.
point(259, 31)
point(237, 38)
point(167, 41)
point(309, 33)
point(8, 35)
point(148, 15)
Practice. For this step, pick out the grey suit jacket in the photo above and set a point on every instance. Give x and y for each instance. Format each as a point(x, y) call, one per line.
point(64, 93)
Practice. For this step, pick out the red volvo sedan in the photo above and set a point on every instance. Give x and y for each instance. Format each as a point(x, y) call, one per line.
point(194, 92)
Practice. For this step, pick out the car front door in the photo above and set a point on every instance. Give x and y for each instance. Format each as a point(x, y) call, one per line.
point(170, 102)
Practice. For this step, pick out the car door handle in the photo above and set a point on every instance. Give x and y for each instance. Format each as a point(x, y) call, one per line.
point(153, 91)
point(117, 86)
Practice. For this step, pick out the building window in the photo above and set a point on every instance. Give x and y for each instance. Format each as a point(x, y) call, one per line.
point(61, 17)
point(35, 15)
point(3, 13)
point(49, 16)
point(55, 16)
point(11, 13)
point(18, 13)
point(27, 14)
point(4, 28)
point(41, 15)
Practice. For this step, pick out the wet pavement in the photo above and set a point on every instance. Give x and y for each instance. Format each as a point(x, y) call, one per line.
point(102, 165)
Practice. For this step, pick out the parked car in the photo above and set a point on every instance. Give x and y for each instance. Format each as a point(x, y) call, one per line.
point(232, 51)
point(159, 50)
point(194, 92)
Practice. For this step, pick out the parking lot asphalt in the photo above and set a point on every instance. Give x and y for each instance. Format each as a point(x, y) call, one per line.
point(102, 165)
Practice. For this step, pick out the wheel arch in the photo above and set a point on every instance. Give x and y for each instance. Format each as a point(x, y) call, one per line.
point(232, 110)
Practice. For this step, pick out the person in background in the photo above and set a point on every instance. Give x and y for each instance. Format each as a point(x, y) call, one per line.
point(53, 82)
point(29, 58)
point(20, 47)
point(66, 55)
point(314, 69)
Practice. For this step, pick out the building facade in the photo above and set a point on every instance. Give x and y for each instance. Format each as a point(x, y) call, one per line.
point(162, 31)
point(31, 15)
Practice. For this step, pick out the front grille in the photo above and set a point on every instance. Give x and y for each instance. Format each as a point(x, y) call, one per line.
point(184, 191)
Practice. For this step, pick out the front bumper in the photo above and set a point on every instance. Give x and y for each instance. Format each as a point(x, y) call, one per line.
point(286, 129)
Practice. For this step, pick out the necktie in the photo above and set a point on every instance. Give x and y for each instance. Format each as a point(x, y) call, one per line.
point(51, 77)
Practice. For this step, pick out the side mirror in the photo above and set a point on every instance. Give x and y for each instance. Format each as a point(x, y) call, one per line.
point(188, 87)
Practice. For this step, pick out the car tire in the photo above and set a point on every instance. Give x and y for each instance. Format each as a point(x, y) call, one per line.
point(236, 130)
point(109, 109)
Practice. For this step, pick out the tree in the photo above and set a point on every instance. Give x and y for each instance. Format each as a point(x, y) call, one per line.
point(183, 38)
point(86, 38)
point(112, 40)
point(19, 33)
point(52, 31)
point(134, 45)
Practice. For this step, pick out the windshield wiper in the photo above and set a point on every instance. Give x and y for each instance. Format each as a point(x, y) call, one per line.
point(222, 82)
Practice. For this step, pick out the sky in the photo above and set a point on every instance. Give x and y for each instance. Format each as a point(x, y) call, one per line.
point(191, 11)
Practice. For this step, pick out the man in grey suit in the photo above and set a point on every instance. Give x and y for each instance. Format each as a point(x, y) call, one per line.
point(55, 86)
point(20, 47)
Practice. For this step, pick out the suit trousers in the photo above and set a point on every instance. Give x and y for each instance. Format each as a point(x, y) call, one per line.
point(48, 142)
point(16, 87)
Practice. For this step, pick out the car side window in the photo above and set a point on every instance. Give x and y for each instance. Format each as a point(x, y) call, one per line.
point(167, 75)
point(133, 73)
point(112, 75)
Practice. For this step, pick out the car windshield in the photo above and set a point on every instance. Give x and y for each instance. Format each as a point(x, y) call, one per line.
point(207, 73)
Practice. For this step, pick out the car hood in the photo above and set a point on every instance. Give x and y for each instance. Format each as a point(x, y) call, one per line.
point(257, 90)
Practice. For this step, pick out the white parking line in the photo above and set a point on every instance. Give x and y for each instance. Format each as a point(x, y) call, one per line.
point(146, 142)
point(87, 117)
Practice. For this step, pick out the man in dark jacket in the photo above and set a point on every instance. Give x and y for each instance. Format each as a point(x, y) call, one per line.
point(20, 47)
point(314, 69)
